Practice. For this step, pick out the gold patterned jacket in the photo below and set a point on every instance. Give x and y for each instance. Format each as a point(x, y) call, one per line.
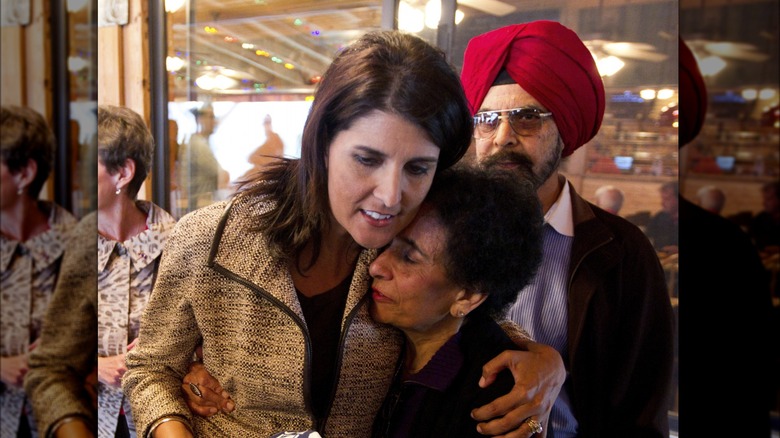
point(218, 285)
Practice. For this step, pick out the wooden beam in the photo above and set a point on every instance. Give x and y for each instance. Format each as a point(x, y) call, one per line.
point(12, 69)
point(37, 49)
point(110, 66)
point(136, 59)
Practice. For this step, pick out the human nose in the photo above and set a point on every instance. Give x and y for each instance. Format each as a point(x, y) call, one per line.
point(505, 135)
point(389, 187)
point(378, 268)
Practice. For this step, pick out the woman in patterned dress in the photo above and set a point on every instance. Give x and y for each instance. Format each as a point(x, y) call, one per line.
point(32, 240)
point(131, 236)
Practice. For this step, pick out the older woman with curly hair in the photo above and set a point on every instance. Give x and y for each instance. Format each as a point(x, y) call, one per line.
point(445, 281)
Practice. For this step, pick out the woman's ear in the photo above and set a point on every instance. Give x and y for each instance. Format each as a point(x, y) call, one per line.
point(26, 174)
point(125, 174)
point(466, 301)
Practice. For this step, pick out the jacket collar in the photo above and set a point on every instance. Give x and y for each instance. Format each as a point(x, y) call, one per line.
point(242, 254)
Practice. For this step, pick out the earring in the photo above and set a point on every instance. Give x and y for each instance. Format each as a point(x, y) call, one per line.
point(118, 190)
point(20, 190)
point(461, 314)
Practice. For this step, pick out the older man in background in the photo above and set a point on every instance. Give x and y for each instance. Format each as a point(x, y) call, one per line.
point(600, 296)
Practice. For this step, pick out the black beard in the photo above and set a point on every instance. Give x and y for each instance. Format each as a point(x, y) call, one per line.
point(525, 166)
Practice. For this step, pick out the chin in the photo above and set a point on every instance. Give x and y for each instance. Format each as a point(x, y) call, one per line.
point(374, 240)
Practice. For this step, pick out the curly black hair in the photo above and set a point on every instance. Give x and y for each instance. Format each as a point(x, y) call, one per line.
point(493, 223)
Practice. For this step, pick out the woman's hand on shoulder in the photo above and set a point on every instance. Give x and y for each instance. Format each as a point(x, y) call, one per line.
point(539, 374)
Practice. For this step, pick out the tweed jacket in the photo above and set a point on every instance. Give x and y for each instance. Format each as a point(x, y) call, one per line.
point(126, 273)
point(620, 328)
point(66, 353)
point(28, 273)
point(218, 284)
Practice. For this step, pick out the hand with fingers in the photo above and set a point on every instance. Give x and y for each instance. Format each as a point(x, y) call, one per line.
point(539, 374)
point(204, 395)
point(13, 370)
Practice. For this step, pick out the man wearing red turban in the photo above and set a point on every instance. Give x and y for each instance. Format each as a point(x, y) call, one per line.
point(600, 296)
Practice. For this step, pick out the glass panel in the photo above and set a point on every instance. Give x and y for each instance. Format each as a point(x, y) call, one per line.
point(241, 79)
point(82, 68)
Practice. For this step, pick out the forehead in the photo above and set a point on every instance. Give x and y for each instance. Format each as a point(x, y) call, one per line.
point(426, 230)
point(508, 96)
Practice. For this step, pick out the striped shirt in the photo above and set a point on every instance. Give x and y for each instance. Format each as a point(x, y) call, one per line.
point(540, 307)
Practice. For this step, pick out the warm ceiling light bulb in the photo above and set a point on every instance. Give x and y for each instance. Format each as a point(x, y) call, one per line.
point(173, 5)
point(711, 65)
point(173, 63)
point(749, 93)
point(665, 93)
point(409, 18)
point(610, 65)
point(647, 94)
point(767, 93)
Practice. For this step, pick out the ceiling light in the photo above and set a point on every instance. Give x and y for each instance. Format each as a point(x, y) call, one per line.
point(766, 93)
point(173, 63)
point(665, 93)
point(647, 94)
point(409, 18)
point(749, 93)
point(711, 65)
point(610, 65)
point(172, 6)
point(433, 14)
point(215, 82)
point(77, 63)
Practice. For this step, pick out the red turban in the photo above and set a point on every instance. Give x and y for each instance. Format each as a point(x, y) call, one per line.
point(551, 63)
point(693, 97)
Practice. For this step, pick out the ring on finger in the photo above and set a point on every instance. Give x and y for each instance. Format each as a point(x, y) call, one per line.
point(195, 390)
point(536, 427)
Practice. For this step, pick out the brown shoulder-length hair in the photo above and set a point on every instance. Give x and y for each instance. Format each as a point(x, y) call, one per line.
point(388, 71)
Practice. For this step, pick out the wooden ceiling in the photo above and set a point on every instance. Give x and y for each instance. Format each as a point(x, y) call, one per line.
point(283, 44)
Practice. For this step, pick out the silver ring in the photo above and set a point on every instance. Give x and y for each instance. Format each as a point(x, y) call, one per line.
point(536, 427)
point(195, 390)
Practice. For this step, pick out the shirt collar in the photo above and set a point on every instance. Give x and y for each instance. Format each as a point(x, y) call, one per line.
point(559, 216)
point(46, 247)
point(144, 247)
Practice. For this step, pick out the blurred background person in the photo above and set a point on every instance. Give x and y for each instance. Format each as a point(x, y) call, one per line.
point(765, 226)
point(201, 174)
point(711, 199)
point(265, 153)
point(609, 198)
point(131, 237)
point(663, 226)
point(33, 235)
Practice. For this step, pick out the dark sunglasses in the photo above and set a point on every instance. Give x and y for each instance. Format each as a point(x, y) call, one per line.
point(524, 121)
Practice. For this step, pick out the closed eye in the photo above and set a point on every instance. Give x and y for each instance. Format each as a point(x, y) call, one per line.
point(366, 161)
point(418, 169)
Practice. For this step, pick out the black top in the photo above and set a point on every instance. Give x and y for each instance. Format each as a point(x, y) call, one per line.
point(323, 314)
point(438, 400)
